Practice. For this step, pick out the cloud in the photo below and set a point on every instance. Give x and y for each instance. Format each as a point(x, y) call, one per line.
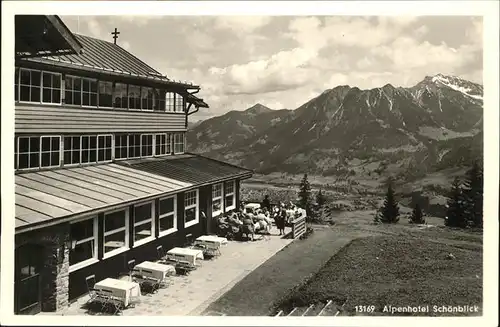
point(421, 31)
point(245, 24)
point(282, 71)
point(139, 20)
point(94, 28)
point(125, 45)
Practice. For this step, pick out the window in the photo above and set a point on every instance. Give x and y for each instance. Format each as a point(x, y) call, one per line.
point(179, 143)
point(29, 85)
point(71, 150)
point(103, 148)
point(147, 98)
point(191, 208)
point(89, 149)
point(134, 97)
point(16, 84)
point(121, 146)
point(120, 96)
point(143, 221)
point(29, 152)
point(146, 145)
point(134, 145)
point(168, 216)
point(170, 140)
point(160, 144)
point(89, 92)
point(179, 103)
point(105, 94)
point(170, 101)
point(83, 235)
point(216, 199)
point(73, 90)
point(51, 89)
point(159, 99)
point(230, 196)
point(51, 146)
point(115, 231)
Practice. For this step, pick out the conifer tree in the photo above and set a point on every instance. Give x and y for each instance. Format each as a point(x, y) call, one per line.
point(320, 199)
point(455, 214)
point(417, 216)
point(305, 194)
point(473, 193)
point(390, 210)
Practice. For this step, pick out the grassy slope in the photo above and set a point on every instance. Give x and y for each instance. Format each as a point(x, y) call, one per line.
point(398, 271)
point(255, 294)
point(411, 269)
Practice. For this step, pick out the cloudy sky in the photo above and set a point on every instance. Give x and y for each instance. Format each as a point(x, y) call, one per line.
point(284, 61)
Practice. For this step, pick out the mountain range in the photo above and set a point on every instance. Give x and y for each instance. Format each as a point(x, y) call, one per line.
point(345, 131)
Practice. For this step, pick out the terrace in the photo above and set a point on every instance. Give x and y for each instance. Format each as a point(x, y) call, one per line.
point(191, 294)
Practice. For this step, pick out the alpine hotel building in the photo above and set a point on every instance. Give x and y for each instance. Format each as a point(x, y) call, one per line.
point(102, 173)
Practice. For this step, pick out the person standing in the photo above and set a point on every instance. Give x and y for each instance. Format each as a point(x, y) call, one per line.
point(266, 203)
point(280, 221)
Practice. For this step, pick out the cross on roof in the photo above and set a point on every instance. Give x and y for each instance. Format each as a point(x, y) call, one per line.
point(115, 34)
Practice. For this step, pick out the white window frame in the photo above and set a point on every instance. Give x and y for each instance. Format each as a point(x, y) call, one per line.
point(29, 152)
point(217, 197)
point(84, 79)
point(153, 98)
point(41, 150)
point(170, 103)
point(94, 259)
point(169, 145)
point(196, 205)
point(125, 228)
point(176, 102)
point(71, 150)
point(233, 194)
point(19, 84)
point(97, 147)
point(183, 137)
point(165, 215)
point(152, 144)
point(89, 149)
point(120, 147)
point(61, 90)
point(128, 145)
point(164, 147)
point(99, 93)
point(128, 97)
point(143, 222)
point(81, 85)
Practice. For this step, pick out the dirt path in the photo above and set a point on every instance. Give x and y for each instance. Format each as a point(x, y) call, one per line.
point(256, 293)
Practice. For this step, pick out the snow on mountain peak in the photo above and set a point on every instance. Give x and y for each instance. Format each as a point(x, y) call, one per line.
point(456, 84)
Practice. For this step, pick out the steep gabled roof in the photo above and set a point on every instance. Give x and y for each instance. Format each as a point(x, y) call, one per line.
point(103, 56)
point(42, 35)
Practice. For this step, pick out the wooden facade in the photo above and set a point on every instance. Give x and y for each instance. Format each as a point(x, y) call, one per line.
point(37, 119)
point(103, 180)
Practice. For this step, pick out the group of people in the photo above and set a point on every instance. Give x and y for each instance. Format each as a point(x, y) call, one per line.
point(248, 221)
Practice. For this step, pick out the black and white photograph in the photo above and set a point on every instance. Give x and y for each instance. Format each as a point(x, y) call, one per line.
point(310, 165)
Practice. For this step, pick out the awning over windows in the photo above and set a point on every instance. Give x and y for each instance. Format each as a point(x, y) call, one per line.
point(45, 197)
point(49, 197)
point(189, 168)
point(43, 35)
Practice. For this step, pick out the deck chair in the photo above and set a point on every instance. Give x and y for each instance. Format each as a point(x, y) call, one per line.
point(161, 254)
point(90, 282)
point(184, 267)
point(111, 303)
